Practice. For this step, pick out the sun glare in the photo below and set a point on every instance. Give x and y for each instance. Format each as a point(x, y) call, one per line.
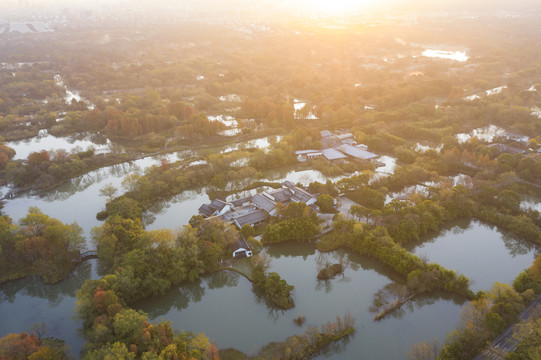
point(335, 7)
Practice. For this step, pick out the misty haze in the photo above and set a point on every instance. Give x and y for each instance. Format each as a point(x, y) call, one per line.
point(286, 179)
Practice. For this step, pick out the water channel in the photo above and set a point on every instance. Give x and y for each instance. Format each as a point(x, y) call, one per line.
point(46, 141)
point(223, 305)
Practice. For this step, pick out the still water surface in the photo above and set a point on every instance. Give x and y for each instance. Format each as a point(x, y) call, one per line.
point(27, 301)
point(481, 252)
point(223, 305)
point(225, 308)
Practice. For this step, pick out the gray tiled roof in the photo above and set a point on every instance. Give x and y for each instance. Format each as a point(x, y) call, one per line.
point(218, 204)
point(356, 152)
point(241, 202)
point(288, 183)
point(305, 152)
point(325, 133)
point(252, 218)
point(302, 194)
point(281, 195)
point(206, 210)
point(333, 154)
point(263, 203)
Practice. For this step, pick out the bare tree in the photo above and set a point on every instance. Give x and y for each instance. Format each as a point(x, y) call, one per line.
point(40, 329)
point(425, 351)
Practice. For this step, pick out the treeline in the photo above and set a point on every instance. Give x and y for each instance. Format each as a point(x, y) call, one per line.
point(162, 182)
point(375, 242)
point(32, 347)
point(23, 91)
point(271, 113)
point(6, 154)
point(143, 264)
point(487, 316)
point(39, 245)
point(311, 343)
point(45, 170)
point(295, 222)
point(134, 115)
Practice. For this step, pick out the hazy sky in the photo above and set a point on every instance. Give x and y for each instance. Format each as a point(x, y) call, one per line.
point(336, 7)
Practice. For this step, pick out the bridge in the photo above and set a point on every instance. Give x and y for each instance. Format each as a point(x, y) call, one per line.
point(87, 255)
point(510, 338)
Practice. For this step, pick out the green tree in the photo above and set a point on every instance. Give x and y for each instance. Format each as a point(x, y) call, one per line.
point(325, 203)
point(116, 351)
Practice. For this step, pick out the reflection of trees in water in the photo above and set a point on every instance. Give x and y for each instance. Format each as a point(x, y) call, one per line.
point(291, 249)
point(54, 293)
point(147, 218)
point(273, 313)
point(97, 138)
point(83, 182)
point(455, 227)
point(517, 246)
point(326, 259)
point(398, 292)
point(159, 207)
point(357, 262)
point(337, 347)
point(178, 298)
point(222, 279)
point(388, 296)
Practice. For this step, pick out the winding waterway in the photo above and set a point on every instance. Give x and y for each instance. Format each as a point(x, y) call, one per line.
point(223, 305)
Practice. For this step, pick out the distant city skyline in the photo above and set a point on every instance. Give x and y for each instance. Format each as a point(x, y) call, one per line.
point(308, 5)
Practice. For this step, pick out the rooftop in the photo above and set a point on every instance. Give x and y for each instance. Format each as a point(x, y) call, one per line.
point(325, 133)
point(304, 152)
point(302, 194)
point(206, 210)
point(263, 202)
point(288, 184)
point(218, 204)
point(241, 202)
point(254, 217)
point(281, 195)
point(356, 152)
point(333, 154)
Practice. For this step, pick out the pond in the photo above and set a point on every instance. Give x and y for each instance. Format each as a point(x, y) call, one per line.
point(530, 203)
point(25, 302)
point(229, 121)
point(46, 141)
point(246, 323)
point(481, 252)
point(71, 94)
point(79, 199)
point(443, 54)
point(422, 148)
point(223, 305)
point(489, 134)
point(389, 165)
point(261, 143)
